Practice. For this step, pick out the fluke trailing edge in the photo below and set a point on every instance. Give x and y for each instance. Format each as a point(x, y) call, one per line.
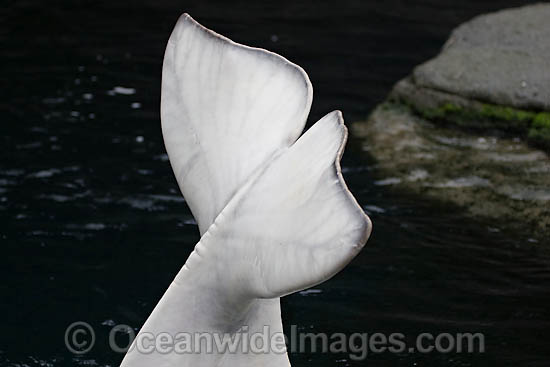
point(274, 213)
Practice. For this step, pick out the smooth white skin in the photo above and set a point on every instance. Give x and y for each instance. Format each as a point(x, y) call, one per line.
point(273, 210)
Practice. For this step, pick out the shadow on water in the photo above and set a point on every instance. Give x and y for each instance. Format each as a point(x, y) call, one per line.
point(94, 228)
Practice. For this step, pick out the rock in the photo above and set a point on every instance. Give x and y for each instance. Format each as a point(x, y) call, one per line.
point(502, 58)
point(457, 129)
point(492, 177)
point(493, 73)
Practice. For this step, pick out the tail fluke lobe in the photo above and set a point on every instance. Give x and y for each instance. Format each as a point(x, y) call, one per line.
point(225, 109)
point(297, 224)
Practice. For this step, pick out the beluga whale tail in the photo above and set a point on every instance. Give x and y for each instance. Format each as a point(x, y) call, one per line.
point(273, 211)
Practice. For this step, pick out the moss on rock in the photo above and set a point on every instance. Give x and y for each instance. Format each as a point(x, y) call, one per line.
point(441, 107)
point(484, 116)
point(539, 132)
point(507, 114)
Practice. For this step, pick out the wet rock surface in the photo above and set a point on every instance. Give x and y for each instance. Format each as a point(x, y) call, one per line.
point(490, 176)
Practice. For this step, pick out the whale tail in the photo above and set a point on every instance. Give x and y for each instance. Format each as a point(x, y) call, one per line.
point(273, 211)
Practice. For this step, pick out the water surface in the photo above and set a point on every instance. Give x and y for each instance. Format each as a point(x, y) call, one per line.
point(94, 228)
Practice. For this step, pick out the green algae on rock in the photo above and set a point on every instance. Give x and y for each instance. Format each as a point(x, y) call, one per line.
point(539, 133)
point(444, 107)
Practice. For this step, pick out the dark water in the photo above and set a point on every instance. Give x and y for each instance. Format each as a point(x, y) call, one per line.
point(93, 227)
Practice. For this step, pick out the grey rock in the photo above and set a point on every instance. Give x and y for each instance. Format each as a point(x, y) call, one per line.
point(501, 58)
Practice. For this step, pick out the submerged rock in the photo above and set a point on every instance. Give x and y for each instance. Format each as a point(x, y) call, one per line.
point(465, 126)
point(490, 176)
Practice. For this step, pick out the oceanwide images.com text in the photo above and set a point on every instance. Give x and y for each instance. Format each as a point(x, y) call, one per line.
point(80, 338)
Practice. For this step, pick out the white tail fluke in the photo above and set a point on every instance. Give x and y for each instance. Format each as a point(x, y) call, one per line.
point(273, 210)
